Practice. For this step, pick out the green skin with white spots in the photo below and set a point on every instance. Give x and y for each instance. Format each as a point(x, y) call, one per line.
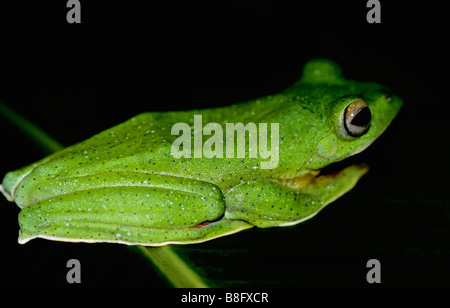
point(123, 186)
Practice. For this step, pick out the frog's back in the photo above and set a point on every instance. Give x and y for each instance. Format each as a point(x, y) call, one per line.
point(141, 144)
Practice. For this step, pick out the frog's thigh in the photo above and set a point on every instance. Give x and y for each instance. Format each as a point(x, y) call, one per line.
point(264, 203)
point(157, 211)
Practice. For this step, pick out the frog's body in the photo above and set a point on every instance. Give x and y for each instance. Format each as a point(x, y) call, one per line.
point(123, 185)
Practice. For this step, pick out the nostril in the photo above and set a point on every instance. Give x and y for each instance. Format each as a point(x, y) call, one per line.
point(387, 94)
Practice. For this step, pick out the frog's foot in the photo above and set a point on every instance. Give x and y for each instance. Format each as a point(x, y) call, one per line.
point(268, 203)
point(310, 178)
point(325, 186)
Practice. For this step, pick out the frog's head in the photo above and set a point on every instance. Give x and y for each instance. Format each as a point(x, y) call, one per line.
point(343, 117)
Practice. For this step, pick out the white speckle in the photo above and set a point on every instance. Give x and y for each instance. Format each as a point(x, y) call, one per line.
point(128, 233)
point(118, 235)
point(255, 167)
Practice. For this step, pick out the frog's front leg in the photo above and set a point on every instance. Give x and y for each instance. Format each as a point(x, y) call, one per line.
point(129, 208)
point(269, 202)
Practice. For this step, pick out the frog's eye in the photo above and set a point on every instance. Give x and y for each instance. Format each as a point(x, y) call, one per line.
point(357, 118)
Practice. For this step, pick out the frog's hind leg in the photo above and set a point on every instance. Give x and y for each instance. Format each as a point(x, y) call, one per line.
point(35, 224)
point(149, 210)
point(135, 235)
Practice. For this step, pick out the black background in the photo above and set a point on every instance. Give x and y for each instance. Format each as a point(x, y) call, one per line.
point(74, 80)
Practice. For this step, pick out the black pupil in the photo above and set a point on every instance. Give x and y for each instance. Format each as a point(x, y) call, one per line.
point(362, 118)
